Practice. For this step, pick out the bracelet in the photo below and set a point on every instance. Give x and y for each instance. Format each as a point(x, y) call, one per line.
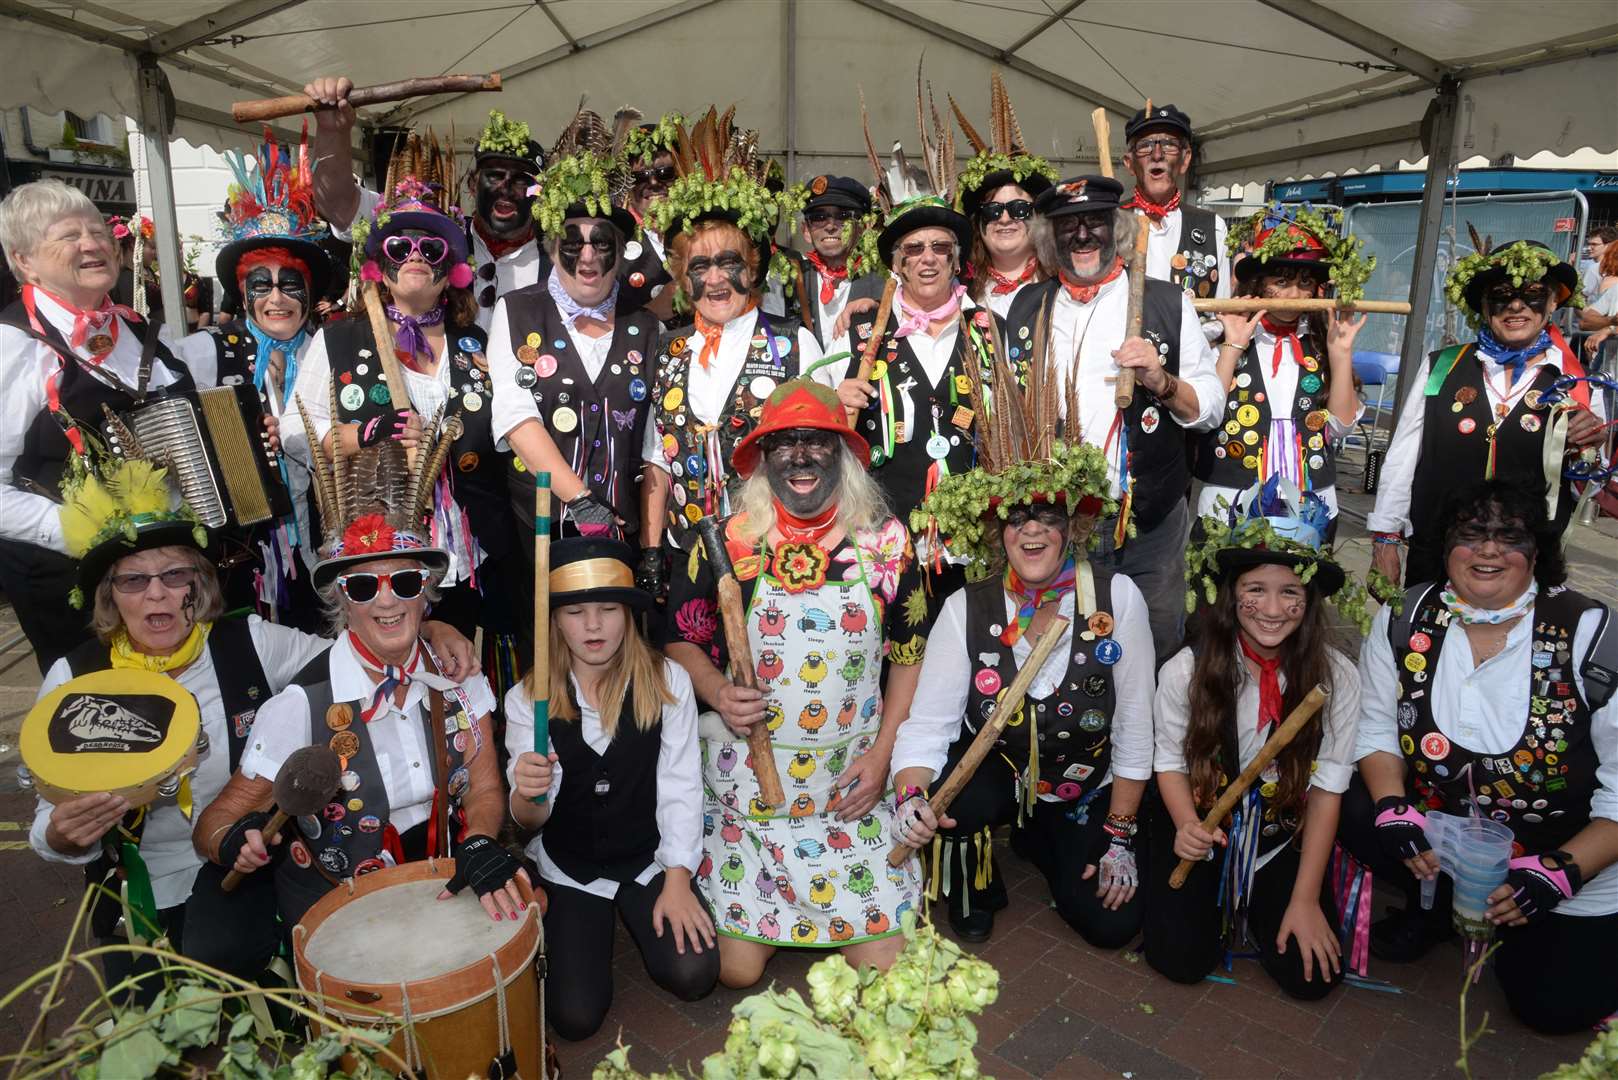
point(1120, 825)
point(905, 794)
point(1387, 538)
point(1232, 345)
point(1170, 388)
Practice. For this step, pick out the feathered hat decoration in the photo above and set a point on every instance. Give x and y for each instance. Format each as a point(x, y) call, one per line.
point(418, 194)
point(587, 175)
point(270, 209)
point(1001, 159)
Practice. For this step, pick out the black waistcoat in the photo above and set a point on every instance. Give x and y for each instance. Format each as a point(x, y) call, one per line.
point(1073, 725)
point(1159, 467)
point(944, 408)
point(604, 823)
point(1227, 457)
point(45, 449)
point(1199, 250)
point(1540, 788)
point(642, 273)
point(1450, 455)
point(598, 426)
point(477, 471)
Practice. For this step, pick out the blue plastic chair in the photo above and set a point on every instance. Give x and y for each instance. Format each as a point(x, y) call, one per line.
point(1378, 369)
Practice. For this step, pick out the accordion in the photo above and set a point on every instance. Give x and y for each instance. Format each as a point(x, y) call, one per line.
point(214, 446)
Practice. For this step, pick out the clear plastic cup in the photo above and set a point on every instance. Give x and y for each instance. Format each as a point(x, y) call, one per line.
point(1476, 853)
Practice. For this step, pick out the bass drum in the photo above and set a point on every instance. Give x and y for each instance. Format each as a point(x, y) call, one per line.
point(465, 989)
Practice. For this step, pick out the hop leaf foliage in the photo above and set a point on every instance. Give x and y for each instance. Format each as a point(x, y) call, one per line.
point(1345, 260)
point(738, 196)
point(503, 135)
point(585, 177)
point(1202, 572)
point(1522, 262)
point(1021, 166)
point(663, 136)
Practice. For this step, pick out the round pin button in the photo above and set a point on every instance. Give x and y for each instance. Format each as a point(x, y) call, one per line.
point(987, 681)
point(564, 420)
point(1108, 651)
point(673, 398)
point(545, 365)
point(1420, 642)
point(1434, 746)
point(1092, 720)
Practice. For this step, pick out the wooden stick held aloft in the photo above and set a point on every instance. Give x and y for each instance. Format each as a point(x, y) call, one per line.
point(1248, 305)
point(244, 112)
point(743, 671)
point(878, 329)
point(1277, 742)
point(990, 732)
point(304, 784)
point(1103, 129)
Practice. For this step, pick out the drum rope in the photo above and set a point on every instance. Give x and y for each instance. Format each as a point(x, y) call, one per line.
point(413, 1059)
point(500, 1005)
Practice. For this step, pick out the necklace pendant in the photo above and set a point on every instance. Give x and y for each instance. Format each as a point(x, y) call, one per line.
point(99, 344)
point(1500, 411)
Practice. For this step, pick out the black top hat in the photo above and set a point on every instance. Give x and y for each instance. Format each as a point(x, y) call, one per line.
point(1167, 117)
point(1080, 195)
point(843, 191)
point(922, 212)
point(532, 156)
point(310, 253)
point(594, 570)
point(1035, 183)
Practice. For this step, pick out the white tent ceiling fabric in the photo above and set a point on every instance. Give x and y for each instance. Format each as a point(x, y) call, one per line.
point(658, 55)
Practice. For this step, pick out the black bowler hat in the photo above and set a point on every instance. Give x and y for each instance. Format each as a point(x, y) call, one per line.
point(840, 191)
point(1080, 195)
point(594, 570)
point(1159, 116)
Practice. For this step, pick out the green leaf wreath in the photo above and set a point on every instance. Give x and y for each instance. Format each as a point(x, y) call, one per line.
point(754, 208)
point(962, 503)
point(1021, 166)
point(663, 136)
point(504, 136)
point(859, 234)
point(1521, 261)
point(585, 177)
point(1202, 572)
point(1348, 267)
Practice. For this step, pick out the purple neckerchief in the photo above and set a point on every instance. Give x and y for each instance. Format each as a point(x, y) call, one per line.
point(409, 338)
point(572, 311)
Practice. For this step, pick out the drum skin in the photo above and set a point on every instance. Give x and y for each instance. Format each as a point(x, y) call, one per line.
point(457, 1027)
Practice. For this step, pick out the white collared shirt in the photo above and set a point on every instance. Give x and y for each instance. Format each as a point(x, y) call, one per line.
point(165, 844)
point(1099, 327)
point(397, 733)
point(679, 778)
point(1392, 511)
point(29, 364)
point(944, 686)
point(1484, 708)
point(428, 394)
point(1001, 304)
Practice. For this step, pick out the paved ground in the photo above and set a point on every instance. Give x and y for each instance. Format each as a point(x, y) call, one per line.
point(1065, 1009)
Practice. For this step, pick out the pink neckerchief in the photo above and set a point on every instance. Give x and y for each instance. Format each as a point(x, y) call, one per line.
point(913, 319)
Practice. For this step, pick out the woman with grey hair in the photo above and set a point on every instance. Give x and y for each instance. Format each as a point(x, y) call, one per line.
point(69, 353)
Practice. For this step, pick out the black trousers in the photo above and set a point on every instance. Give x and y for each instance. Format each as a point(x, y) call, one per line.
point(1051, 838)
point(1184, 927)
point(578, 945)
point(1547, 970)
point(37, 582)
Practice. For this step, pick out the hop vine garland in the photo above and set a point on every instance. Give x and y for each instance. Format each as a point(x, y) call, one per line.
point(1521, 261)
point(504, 136)
point(1021, 166)
point(962, 503)
point(754, 208)
point(864, 257)
point(585, 177)
point(1202, 574)
point(664, 135)
point(1348, 267)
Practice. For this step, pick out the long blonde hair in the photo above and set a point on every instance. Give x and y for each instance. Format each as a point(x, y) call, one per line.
point(635, 666)
point(861, 506)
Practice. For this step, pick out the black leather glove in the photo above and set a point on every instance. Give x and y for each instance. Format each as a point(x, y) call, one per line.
point(231, 846)
point(389, 425)
point(1401, 829)
point(591, 515)
point(1537, 889)
point(652, 573)
point(482, 863)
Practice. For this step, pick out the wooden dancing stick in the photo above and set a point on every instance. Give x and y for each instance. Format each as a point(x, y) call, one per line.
point(1123, 391)
point(990, 732)
point(305, 783)
point(1277, 742)
point(542, 616)
point(274, 108)
point(743, 672)
point(878, 330)
point(1247, 305)
point(1103, 128)
point(398, 389)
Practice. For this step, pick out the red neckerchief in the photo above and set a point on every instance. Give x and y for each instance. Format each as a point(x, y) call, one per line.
point(393, 676)
point(1155, 211)
point(499, 248)
point(1269, 685)
point(829, 276)
point(83, 321)
point(711, 333)
point(1086, 293)
point(1005, 283)
point(797, 530)
point(1284, 332)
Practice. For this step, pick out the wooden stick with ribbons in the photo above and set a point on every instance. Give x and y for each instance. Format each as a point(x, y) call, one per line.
point(990, 732)
point(743, 672)
point(878, 331)
point(306, 781)
point(541, 678)
point(1248, 305)
point(244, 112)
point(387, 355)
point(1294, 723)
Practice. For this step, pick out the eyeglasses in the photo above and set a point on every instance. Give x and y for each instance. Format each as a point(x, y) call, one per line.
point(1019, 209)
point(941, 248)
point(662, 174)
point(828, 217)
point(1044, 513)
point(175, 577)
point(399, 247)
point(1167, 145)
point(1535, 296)
point(363, 588)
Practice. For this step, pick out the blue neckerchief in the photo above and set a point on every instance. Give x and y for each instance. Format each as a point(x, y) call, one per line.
point(1515, 359)
point(261, 357)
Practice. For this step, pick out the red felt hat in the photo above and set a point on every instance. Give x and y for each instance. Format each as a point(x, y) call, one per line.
point(795, 405)
point(1307, 250)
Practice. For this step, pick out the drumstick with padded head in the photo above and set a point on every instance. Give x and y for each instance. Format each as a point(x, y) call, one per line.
point(305, 783)
point(541, 684)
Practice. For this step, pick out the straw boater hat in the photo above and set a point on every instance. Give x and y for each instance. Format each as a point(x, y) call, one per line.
point(273, 206)
point(595, 570)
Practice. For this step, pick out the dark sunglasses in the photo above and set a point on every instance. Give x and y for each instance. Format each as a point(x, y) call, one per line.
point(176, 577)
point(1019, 209)
point(1167, 145)
point(1535, 296)
point(913, 248)
point(362, 588)
point(828, 217)
point(399, 247)
point(1044, 513)
point(662, 174)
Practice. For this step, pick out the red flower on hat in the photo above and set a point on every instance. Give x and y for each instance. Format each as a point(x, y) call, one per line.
point(368, 535)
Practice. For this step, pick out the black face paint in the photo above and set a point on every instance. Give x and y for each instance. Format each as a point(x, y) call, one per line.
point(189, 604)
point(603, 239)
point(1508, 535)
point(1086, 234)
point(440, 271)
point(800, 456)
point(502, 180)
point(261, 282)
point(729, 262)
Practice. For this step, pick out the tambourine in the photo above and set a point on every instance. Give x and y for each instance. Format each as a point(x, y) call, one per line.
point(132, 733)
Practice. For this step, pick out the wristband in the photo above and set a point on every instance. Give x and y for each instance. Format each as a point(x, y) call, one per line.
point(1387, 538)
point(905, 794)
point(1120, 825)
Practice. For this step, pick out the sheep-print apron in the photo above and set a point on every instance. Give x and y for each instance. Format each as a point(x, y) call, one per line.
point(795, 875)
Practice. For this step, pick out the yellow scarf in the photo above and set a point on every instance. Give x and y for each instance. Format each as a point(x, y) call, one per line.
point(124, 655)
